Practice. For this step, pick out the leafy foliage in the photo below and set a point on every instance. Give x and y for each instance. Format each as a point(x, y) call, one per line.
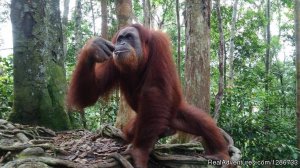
point(260, 136)
point(104, 112)
point(4, 12)
point(6, 86)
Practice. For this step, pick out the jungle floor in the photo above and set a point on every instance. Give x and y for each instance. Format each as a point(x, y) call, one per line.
point(25, 146)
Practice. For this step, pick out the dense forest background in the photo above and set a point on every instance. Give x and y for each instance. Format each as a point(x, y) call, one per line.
point(251, 57)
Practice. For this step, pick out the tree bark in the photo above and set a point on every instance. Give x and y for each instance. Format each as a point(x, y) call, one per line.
point(267, 59)
point(197, 70)
point(104, 16)
point(178, 37)
point(65, 25)
point(219, 95)
point(78, 19)
point(146, 9)
point(281, 70)
point(93, 17)
point(124, 13)
point(231, 45)
point(297, 31)
point(39, 73)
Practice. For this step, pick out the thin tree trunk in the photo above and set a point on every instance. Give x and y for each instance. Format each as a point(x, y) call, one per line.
point(267, 59)
point(166, 5)
point(279, 7)
point(178, 37)
point(147, 18)
point(78, 18)
point(219, 95)
point(282, 71)
point(104, 13)
point(297, 30)
point(124, 12)
point(231, 46)
point(65, 25)
point(93, 17)
point(282, 88)
point(66, 12)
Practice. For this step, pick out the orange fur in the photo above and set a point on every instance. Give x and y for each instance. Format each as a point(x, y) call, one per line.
point(153, 90)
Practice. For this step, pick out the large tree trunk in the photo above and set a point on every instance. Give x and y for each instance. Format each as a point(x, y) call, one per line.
point(39, 74)
point(221, 53)
point(297, 30)
point(197, 70)
point(124, 13)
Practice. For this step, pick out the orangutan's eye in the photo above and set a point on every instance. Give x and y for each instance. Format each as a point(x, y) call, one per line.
point(129, 37)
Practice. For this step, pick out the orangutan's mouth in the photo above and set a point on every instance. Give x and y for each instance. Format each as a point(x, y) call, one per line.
point(121, 51)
